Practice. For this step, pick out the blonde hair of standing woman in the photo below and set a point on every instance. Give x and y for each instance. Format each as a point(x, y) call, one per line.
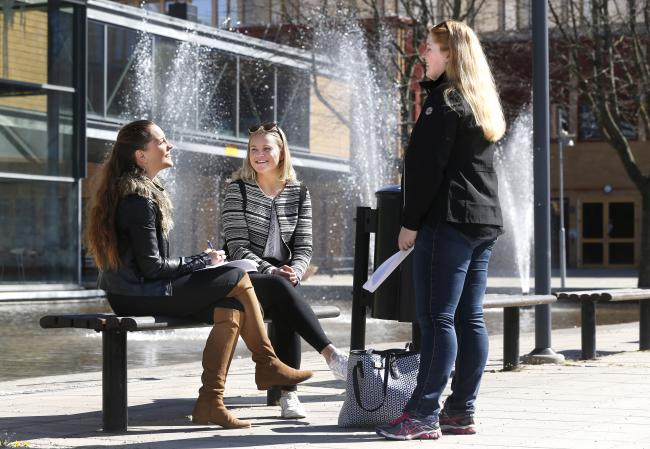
point(470, 74)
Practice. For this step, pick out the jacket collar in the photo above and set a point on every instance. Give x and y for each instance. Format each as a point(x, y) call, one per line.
point(430, 85)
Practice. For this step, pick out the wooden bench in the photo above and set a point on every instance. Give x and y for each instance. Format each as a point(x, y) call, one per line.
point(588, 300)
point(114, 331)
point(510, 305)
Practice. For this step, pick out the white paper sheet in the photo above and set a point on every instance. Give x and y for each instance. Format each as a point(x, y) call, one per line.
point(385, 269)
point(244, 264)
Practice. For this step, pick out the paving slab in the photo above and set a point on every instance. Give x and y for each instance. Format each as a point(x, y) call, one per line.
point(593, 404)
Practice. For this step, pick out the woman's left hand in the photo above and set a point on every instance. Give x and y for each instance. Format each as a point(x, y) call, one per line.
point(406, 238)
point(287, 272)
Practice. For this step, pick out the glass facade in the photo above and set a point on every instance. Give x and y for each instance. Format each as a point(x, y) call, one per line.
point(42, 124)
point(132, 75)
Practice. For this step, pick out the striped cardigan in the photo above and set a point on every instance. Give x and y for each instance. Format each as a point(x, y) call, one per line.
point(246, 233)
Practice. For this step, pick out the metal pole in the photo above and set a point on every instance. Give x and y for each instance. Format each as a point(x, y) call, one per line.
point(361, 254)
point(560, 157)
point(541, 136)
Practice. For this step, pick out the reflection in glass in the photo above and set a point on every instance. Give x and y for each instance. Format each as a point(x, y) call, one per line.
point(38, 242)
point(621, 253)
point(95, 97)
point(24, 45)
point(256, 94)
point(35, 131)
point(293, 105)
point(621, 220)
point(121, 69)
point(218, 104)
point(592, 220)
point(592, 253)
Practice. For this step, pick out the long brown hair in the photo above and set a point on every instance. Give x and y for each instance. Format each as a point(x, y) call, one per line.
point(101, 235)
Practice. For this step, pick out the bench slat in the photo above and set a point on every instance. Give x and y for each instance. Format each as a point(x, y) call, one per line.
point(623, 294)
point(493, 301)
point(104, 321)
point(95, 321)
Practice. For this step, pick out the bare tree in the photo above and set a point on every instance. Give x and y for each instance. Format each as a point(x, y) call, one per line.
point(604, 48)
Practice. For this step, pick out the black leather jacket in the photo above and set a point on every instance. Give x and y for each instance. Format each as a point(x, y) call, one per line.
point(448, 170)
point(145, 266)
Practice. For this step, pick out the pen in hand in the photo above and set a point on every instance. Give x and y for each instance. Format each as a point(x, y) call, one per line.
point(210, 245)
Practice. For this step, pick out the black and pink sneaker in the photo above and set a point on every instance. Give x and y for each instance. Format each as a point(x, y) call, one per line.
point(409, 428)
point(457, 424)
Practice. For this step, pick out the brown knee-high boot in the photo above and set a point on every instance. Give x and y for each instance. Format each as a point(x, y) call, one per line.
point(217, 355)
point(269, 370)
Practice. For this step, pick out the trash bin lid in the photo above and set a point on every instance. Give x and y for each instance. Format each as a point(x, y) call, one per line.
point(396, 188)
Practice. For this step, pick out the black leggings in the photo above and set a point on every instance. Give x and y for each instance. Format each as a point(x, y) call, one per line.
point(194, 295)
point(292, 318)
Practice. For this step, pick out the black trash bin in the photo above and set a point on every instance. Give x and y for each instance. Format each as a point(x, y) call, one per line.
point(394, 299)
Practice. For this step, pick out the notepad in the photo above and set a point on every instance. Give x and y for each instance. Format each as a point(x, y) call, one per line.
point(244, 264)
point(385, 269)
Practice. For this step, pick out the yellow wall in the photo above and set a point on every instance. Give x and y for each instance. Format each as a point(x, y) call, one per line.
point(26, 54)
point(328, 135)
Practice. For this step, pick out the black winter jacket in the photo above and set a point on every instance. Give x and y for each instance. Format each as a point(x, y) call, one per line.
point(145, 266)
point(448, 172)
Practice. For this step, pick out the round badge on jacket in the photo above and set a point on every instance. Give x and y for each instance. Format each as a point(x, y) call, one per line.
point(428, 110)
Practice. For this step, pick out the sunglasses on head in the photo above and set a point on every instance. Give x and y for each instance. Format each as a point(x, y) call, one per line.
point(268, 126)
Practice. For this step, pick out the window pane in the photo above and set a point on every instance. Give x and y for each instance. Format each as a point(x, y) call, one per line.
point(293, 105)
point(621, 253)
point(175, 99)
point(621, 220)
point(588, 127)
point(36, 131)
point(256, 94)
point(203, 11)
point(95, 103)
point(121, 70)
point(38, 242)
point(217, 100)
point(592, 253)
point(62, 37)
point(24, 44)
point(592, 220)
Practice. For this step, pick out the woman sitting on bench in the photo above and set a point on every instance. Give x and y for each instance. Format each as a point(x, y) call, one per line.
point(267, 219)
point(128, 224)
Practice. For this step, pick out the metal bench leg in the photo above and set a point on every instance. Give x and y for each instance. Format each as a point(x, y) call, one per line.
point(644, 324)
point(510, 338)
point(588, 328)
point(114, 398)
point(273, 393)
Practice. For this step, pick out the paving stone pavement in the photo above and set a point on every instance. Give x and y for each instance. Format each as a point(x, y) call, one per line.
point(602, 403)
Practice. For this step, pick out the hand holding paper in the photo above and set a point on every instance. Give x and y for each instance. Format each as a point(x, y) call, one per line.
point(385, 269)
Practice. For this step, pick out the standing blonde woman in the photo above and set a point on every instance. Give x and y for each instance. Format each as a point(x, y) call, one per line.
point(267, 219)
point(452, 215)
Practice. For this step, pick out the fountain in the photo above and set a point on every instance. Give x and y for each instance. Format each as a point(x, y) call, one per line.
point(514, 166)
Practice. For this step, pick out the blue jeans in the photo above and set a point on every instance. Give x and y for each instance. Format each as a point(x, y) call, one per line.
point(450, 275)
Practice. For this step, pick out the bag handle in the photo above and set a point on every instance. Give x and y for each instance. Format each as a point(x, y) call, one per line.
point(355, 385)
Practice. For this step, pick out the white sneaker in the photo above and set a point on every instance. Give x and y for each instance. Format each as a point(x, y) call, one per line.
point(339, 365)
point(291, 406)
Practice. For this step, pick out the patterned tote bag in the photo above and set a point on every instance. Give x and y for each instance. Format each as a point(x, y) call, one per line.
point(379, 383)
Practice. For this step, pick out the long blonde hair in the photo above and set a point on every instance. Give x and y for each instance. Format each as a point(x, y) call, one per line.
point(470, 74)
point(287, 173)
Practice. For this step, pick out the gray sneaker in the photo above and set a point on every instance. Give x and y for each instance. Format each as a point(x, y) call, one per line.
point(410, 428)
point(339, 365)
